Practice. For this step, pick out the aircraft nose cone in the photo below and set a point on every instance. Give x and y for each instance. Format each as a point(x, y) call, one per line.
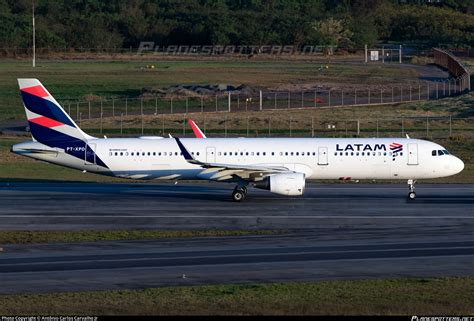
point(458, 165)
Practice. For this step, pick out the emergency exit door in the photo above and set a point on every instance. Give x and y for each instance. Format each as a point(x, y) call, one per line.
point(322, 156)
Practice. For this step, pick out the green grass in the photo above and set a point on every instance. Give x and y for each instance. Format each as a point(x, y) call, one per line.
point(432, 296)
point(74, 79)
point(34, 237)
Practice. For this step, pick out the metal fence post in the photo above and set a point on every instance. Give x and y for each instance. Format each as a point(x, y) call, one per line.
point(171, 105)
point(358, 127)
point(77, 110)
point(261, 100)
point(427, 91)
point(113, 108)
point(450, 126)
point(419, 91)
point(291, 118)
point(427, 127)
point(228, 93)
point(393, 98)
point(312, 126)
point(355, 97)
point(403, 127)
point(302, 99)
point(276, 100)
point(89, 110)
point(202, 104)
point(289, 95)
point(187, 104)
point(101, 116)
point(80, 119)
point(225, 126)
point(248, 125)
point(377, 125)
point(410, 93)
point(401, 93)
point(342, 97)
point(329, 97)
point(141, 106)
point(121, 123)
point(269, 126)
point(156, 105)
point(142, 124)
point(315, 98)
point(216, 103)
point(184, 125)
point(381, 95)
point(69, 109)
point(437, 94)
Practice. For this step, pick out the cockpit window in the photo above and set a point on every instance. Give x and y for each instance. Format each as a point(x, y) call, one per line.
point(433, 153)
point(440, 152)
point(445, 152)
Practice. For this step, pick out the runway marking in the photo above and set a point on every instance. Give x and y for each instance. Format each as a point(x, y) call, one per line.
point(236, 216)
point(224, 255)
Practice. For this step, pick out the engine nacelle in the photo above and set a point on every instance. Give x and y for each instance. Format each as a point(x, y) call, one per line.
point(291, 184)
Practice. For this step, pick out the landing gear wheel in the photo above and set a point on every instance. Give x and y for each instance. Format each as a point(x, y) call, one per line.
point(238, 195)
point(411, 188)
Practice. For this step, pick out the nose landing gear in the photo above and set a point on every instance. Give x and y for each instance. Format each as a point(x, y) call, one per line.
point(411, 188)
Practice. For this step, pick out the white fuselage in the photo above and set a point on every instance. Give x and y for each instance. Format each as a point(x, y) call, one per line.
point(317, 158)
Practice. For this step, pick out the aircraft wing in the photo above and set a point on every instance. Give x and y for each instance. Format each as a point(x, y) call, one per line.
point(228, 171)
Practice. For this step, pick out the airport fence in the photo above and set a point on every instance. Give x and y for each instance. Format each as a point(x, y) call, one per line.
point(274, 125)
point(232, 102)
point(237, 100)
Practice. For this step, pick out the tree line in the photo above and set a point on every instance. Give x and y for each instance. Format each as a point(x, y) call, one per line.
point(124, 23)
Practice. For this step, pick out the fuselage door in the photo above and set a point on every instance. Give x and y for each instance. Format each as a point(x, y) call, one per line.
point(322, 156)
point(89, 157)
point(412, 154)
point(210, 154)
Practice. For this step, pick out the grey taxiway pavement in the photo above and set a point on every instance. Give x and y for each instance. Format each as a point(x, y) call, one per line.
point(333, 232)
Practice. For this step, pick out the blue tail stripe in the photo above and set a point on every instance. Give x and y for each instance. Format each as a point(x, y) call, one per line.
point(72, 146)
point(46, 108)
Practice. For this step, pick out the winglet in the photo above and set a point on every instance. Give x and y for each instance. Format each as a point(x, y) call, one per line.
point(197, 131)
point(184, 151)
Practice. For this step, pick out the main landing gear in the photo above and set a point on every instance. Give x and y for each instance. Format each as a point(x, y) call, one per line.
point(411, 189)
point(239, 193)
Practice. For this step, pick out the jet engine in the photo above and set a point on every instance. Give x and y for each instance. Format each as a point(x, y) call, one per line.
point(291, 184)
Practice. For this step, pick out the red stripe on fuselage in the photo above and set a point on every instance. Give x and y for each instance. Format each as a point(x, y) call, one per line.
point(46, 122)
point(36, 90)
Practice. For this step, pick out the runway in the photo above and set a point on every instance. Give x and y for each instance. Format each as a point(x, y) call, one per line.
point(340, 231)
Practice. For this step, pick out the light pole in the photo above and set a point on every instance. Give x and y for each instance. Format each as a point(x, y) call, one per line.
point(34, 40)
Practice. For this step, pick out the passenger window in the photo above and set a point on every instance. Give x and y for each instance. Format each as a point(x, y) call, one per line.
point(352, 153)
point(132, 153)
point(110, 154)
point(347, 153)
point(258, 153)
point(116, 153)
point(335, 154)
point(363, 154)
point(264, 154)
point(314, 153)
point(121, 153)
point(401, 153)
point(230, 153)
point(286, 153)
point(198, 153)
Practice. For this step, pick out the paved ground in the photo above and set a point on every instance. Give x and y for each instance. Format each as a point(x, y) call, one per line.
point(335, 232)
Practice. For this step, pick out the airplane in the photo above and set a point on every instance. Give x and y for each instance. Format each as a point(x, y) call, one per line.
point(280, 165)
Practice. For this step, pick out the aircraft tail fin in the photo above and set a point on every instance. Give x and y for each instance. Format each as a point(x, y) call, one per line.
point(49, 123)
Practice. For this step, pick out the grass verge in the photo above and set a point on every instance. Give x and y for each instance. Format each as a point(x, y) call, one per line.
point(433, 296)
point(31, 237)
